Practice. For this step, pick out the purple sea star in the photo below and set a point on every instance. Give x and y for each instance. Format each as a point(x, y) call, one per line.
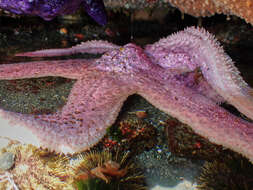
point(48, 9)
point(162, 73)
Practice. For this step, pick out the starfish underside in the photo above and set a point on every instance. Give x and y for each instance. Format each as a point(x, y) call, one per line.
point(163, 73)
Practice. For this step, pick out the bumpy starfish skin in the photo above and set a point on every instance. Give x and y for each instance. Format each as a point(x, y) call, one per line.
point(48, 9)
point(162, 74)
point(222, 75)
point(92, 47)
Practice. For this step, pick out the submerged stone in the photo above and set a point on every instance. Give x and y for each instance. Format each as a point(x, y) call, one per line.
point(6, 160)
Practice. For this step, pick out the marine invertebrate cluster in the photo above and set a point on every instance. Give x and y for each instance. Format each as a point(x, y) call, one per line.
point(124, 135)
point(42, 170)
point(36, 169)
point(163, 73)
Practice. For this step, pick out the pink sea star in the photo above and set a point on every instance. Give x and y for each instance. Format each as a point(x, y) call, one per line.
point(162, 73)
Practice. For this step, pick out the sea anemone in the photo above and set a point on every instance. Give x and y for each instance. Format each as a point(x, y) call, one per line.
point(233, 172)
point(110, 171)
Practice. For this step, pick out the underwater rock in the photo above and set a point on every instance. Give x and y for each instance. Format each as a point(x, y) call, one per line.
point(6, 160)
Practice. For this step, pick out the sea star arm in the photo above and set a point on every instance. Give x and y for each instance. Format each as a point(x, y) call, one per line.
point(92, 47)
point(64, 68)
point(195, 48)
point(93, 105)
point(201, 114)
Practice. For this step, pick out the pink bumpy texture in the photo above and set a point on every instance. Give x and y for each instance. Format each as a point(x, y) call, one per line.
point(163, 73)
